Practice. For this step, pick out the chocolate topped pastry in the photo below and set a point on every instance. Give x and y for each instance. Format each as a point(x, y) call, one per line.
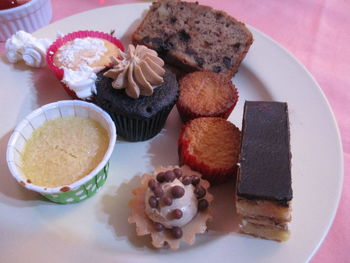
point(265, 171)
point(264, 191)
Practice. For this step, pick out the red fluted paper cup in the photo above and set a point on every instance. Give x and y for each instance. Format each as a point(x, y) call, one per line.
point(51, 51)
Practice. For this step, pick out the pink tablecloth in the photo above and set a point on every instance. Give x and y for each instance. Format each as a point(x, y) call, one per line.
point(318, 34)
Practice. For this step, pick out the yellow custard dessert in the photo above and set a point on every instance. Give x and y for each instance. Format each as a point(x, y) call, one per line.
point(64, 150)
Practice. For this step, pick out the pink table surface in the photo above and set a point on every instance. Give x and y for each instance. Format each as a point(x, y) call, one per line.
point(318, 34)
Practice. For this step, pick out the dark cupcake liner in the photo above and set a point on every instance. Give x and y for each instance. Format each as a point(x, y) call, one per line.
point(136, 129)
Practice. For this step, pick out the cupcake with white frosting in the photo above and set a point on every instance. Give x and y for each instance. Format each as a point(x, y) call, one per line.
point(172, 205)
point(137, 92)
point(75, 58)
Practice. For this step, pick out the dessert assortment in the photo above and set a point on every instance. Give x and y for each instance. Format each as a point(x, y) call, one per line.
point(65, 151)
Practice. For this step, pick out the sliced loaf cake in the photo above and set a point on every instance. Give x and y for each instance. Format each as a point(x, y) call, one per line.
point(194, 37)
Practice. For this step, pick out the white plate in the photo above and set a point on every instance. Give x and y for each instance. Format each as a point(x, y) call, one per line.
point(97, 230)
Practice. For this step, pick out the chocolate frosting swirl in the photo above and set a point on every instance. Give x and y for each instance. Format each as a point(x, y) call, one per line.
point(138, 71)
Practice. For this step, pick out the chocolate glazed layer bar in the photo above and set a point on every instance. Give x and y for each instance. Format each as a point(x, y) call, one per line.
point(264, 177)
point(265, 171)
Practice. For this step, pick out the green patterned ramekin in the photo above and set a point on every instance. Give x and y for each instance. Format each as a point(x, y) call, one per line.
point(82, 192)
point(84, 187)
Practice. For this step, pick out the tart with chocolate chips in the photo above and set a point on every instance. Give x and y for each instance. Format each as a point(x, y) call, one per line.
point(172, 205)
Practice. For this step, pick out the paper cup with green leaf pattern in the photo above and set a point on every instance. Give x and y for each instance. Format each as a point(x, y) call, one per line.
point(84, 187)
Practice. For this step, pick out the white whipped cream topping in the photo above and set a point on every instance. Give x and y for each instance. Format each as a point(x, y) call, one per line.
point(187, 204)
point(86, 51)
point(24, 46)
point(81, 81)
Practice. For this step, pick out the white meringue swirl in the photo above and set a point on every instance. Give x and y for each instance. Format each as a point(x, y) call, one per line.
point(23, 46)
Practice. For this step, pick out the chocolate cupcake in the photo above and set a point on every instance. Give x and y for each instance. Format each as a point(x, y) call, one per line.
point(137, 93)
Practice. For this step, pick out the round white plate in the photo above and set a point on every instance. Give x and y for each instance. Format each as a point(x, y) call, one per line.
point(96, 230)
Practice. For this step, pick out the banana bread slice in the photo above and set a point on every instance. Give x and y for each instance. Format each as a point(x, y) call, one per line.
point(194, 37)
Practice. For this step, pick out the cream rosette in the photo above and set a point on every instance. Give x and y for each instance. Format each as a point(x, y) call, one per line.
point(138, 71)
point(24, 46)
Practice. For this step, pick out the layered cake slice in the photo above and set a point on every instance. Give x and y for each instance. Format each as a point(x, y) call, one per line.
point(264, 190)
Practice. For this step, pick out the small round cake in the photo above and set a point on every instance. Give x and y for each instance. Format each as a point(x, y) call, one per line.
point(206, 94)
point(137, 93)
point(172, 205)
point(210, 145)
point(76, 57)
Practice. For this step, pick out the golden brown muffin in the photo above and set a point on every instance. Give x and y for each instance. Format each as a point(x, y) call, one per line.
point(210, 145)
point(206, 94)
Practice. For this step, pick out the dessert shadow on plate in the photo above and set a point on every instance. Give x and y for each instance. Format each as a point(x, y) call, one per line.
point(16, 194)
point(116, 207)
point(162, 149)
point(46, 87)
